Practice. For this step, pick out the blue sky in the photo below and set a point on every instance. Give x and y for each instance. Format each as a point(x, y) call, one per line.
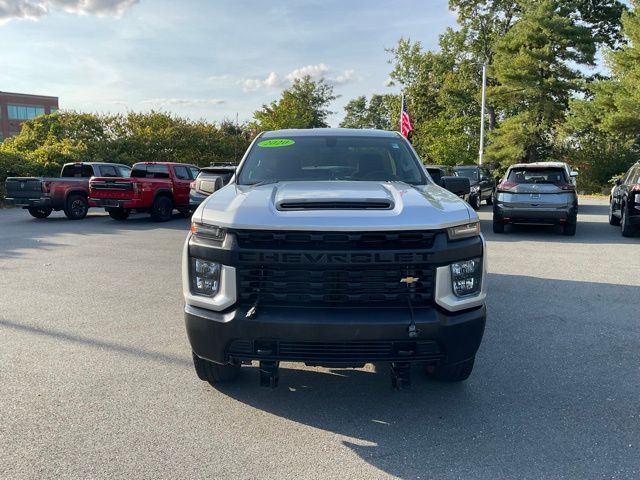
point(203, 59)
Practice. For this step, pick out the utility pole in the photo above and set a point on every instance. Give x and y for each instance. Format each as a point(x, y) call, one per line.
point(484, 99)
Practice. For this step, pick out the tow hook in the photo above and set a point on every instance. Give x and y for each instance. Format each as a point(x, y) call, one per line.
point(269, 374)
point(400, 375)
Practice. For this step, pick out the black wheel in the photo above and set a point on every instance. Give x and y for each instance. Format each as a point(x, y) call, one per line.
point(569, 228)
point(627, 229)
point(490, 199)
point(76, 207)
point(613, 220)
point(119, 213)
point(162, 209)
point(457, 372)
point(40, 212)
point(475, 202)
point(498, 226)
point(214, 373)
point(184, 211)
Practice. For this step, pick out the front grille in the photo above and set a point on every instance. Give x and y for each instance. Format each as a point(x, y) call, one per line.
point(347, 241)
point(368, 351)
point(336, 286)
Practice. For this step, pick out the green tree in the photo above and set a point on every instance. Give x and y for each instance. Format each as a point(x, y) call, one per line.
point(534, 65)
point(380, 112)
point(303, 105)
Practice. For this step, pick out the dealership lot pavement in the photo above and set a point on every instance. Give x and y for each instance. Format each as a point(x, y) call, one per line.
point(96, 378)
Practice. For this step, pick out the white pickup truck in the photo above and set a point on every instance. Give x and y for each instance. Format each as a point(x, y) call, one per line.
point(334, 247)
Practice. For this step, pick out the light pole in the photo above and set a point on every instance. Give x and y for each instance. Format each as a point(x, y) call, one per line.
point(482, 108)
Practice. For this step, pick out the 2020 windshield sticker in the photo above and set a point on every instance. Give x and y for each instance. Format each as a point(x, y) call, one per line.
point(276, 142)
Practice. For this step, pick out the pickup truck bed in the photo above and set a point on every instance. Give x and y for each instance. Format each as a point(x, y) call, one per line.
point(42, 195)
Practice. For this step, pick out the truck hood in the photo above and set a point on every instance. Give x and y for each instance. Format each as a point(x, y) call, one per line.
point(334, 206)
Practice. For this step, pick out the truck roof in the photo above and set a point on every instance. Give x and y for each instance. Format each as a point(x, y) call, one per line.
point(164, 163)
point(96, 163)
point(319, 132)
point(539, 165)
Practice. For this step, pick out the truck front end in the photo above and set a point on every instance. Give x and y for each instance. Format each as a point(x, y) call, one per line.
point(335, 272)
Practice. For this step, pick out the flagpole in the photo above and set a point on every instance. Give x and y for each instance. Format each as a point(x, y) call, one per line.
point(482, 108)
point(401, 107)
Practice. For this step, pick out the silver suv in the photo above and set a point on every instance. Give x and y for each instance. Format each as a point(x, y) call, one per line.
point(537, 193)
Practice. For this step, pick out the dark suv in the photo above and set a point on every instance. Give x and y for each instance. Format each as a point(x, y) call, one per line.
point(624, 203)
point(483, 185)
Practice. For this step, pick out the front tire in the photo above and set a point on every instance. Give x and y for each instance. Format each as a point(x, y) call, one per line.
point(76, 207)
point(162, 209)
point(214, 373)
point(490, 199)
point(613, 220)
point(40, 212)
point(626, 228)
point(119, 213)
point(476, 201)
point(457, 372)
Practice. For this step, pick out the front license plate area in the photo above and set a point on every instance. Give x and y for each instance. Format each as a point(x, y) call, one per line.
point(535, 196)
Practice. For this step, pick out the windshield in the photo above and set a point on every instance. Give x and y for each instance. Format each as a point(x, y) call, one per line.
point(470, 173)
point(332, 157)
point(537, 175)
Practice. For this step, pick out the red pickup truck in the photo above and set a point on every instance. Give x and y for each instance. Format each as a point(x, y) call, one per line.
point(154, 187)
point(42, 195)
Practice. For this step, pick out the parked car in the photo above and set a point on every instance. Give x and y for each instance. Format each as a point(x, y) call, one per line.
point(624, 202)
point(333, 247)
point(483, 185)
point(443, 175)
point(42, 195)
point(539, 193)
point(209, 180)
point(154, 187)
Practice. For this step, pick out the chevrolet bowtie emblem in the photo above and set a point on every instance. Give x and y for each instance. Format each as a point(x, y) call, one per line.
point(409, 280)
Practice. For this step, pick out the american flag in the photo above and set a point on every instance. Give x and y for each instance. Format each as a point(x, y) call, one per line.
point(405, 121)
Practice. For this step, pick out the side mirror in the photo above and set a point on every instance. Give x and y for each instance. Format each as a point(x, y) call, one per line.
point(457, 185)
point(574, 174)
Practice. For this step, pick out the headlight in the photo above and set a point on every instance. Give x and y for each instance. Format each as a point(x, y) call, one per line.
point(466, 277)
point(464, 231)
point(205, 277)
point(212, 232)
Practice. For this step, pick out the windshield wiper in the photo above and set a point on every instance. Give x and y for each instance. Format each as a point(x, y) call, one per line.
point(262, 182)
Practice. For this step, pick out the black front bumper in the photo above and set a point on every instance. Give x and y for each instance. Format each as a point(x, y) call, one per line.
point(329, 335)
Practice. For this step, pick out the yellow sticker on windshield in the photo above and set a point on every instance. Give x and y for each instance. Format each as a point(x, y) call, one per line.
point(276, 142)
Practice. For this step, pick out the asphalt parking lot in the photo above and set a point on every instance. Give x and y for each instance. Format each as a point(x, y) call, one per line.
point(96, 379)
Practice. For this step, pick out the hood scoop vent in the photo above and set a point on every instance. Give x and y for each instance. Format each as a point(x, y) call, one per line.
point(337, 195)
point(325, 204)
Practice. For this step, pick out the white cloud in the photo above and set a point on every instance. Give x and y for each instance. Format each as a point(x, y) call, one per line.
point(272, 81)
point(36, 9)
point(316, 72)
point(345, 77)
point(183, 102)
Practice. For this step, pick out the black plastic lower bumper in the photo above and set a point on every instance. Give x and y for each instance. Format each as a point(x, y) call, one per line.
point(30, 202)
point(323, 336)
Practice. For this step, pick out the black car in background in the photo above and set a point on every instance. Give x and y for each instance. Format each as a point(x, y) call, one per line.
point(444, 176)
point(624, 203)
point(483, 185)
point(209, 180)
